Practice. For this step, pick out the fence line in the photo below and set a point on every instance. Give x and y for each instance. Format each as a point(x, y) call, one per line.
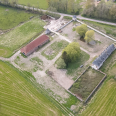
point(96, 86)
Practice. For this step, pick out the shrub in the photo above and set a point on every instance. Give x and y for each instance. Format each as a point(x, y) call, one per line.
point(61, 64)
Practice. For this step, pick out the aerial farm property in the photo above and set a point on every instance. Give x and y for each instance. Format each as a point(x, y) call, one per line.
point(34, 71)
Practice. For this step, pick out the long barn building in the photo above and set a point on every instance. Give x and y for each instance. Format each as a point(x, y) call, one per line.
point(98, 62)
point(34, 45)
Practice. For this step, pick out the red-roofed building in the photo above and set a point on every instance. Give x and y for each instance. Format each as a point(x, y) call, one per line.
point(34, 45)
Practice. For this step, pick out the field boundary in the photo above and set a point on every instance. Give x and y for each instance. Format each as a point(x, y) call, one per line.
point(94, 90)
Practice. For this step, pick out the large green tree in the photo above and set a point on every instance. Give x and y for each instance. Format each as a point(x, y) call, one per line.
point(71, 52)
point(81, 30)
point(89, 36)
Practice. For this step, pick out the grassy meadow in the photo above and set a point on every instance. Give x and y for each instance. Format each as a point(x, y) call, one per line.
point(19, 97)
point(11, 17)
point(104, 103)
point(14, 39)
point(36, 3)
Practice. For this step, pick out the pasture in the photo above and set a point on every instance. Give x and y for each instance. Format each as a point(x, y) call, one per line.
point(11, 17)
point(87, 82)
point(104, 103)
point(14, 39)
point(105, 28)
point(18, 96)
point(36, 3)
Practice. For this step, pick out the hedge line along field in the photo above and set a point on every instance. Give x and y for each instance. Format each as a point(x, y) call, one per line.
point(11, 17)
point(43, 4)
point(20, 35)
point(104, 104)
point(19, 97)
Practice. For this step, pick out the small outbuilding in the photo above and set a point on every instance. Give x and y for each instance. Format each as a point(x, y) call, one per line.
point(34, 45)
point(47, 31)
point(74, 18)
point(98, 62)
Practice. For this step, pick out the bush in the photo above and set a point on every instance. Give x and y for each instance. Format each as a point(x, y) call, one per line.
point(61, 64)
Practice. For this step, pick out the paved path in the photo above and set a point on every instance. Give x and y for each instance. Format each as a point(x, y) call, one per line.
point(78, 16)
point(95, 20)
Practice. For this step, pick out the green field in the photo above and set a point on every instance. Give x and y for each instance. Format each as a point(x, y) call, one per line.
point(19, 97)
point(37, 3)
point(14, 39)
point(104, 104)
point(11, 17)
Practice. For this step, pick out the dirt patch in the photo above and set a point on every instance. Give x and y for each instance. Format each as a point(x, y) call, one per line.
point(49, 52)
point(60, 76)
point(50, 85)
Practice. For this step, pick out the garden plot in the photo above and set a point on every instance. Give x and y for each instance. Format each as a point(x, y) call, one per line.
point(101, 41)
point(86, 83)
point(14, 39)
point(52, 51)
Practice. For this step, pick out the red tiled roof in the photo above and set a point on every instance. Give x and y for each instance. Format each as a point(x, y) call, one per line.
point(29, 47)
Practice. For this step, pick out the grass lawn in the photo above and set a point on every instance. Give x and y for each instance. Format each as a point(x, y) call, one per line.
point(108, 29)
point(36, 3)
point(86, 83)
point(11, 17)
point(73, 67)
point(18, 96)
point(14, 39)
point(53, 50)
point(104, 104)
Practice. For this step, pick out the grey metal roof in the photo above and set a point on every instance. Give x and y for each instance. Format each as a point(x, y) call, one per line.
point(74, 16)
point(110, 49)
point(104, 55)
point(47, 31)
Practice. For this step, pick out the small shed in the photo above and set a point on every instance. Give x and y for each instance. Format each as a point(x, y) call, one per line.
point(98, 62)
point(47, 31)
point(74, 18)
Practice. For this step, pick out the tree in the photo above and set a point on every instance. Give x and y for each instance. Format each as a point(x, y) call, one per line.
point(89, 36)
point(71, 52)
point(65, 57)
point(81, 30)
